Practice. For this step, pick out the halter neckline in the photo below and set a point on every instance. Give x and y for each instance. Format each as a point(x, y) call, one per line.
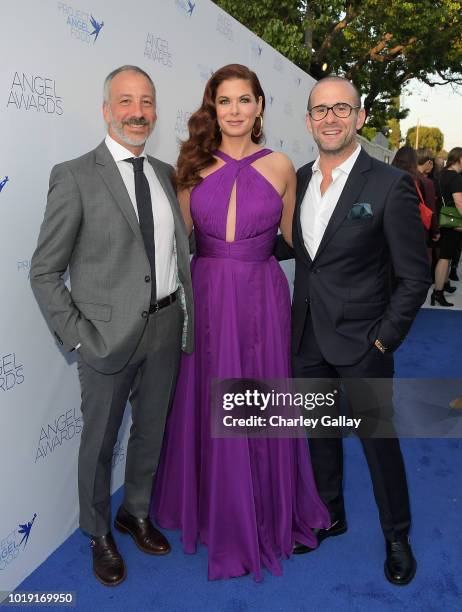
point(256, 155)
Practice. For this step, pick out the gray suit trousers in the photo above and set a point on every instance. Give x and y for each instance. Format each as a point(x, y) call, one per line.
point(148, 381)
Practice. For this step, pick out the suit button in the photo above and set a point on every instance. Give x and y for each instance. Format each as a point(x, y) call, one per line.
point(147, 279)
point(144, 314)
point(307, 301)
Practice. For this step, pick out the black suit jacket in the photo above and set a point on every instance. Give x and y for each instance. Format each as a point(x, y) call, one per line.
point(348, 286)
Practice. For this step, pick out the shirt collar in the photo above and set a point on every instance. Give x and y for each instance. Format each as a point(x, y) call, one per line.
point(118, 151)
point(345, 166)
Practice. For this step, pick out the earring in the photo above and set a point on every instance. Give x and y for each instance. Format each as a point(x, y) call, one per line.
point(260, 131)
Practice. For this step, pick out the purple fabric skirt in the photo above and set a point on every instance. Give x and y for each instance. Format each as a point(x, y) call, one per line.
point(248, 500)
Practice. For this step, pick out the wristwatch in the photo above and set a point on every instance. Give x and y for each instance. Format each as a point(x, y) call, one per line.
point(380, 346)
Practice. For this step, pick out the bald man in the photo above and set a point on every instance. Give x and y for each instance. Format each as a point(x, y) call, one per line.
point(356, 219)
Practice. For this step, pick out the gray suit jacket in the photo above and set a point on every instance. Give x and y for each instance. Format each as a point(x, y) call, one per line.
point(90, 227)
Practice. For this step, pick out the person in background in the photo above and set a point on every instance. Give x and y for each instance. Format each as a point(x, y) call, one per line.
point(406, 159)
point(450, 181)
point(425, 161)
point(425, 164)
point(432, 172)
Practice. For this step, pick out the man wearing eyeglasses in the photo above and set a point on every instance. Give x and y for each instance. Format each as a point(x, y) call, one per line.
point(356, 220)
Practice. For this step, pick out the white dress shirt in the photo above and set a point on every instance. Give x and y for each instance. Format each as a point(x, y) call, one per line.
point(316, 209)
point(164, 227)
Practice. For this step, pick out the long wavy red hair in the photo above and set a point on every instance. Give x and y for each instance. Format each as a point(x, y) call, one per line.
point(196, 153)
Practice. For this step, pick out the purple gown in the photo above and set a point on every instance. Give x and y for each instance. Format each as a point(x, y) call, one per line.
point(246, 499)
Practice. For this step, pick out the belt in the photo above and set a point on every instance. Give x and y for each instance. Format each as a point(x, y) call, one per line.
point(166, 301)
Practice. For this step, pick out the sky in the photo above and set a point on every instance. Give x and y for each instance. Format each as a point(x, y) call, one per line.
point(436, 107)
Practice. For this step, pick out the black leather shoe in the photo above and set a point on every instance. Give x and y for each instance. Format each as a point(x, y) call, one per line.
point(400, 565)
point(108, 565)
point(337, 528)
point(146, 536)
point(448, 288)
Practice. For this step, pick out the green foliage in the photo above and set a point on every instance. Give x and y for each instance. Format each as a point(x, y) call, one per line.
point(394, 134)
point(379, 44)
point(369, 132)
point(429, 137)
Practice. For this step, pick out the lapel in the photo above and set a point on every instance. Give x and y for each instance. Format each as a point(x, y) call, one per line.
point(110, 174)
point(353, 187)
point(302, 186)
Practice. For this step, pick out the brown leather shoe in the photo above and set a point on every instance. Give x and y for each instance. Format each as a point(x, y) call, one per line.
point(108, 565)
point(146, 536)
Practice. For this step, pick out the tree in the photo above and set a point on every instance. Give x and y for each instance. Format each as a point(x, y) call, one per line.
point(369, 132)
point(379, 44)
point(429, 137)
point(394, 133)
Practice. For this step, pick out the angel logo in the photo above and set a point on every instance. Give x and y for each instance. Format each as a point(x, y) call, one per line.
point(15, 542)
point(82, 25)
point(3, 182)
point(96, 28)
point(257, 49)
point(186, 7)
point(25, 530)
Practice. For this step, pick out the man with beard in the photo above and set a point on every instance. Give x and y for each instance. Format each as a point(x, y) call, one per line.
point(356, 221)
point(113, 220)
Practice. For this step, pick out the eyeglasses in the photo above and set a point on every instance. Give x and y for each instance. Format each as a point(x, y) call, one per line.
point(342, 110)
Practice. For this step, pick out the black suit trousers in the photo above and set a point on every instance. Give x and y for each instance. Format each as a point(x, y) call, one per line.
point(383, 454)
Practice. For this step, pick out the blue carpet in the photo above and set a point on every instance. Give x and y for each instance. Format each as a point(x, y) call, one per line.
point(433, 348)
point(346, 573)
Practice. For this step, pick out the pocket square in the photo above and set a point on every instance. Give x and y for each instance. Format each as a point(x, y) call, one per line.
point(359, 211)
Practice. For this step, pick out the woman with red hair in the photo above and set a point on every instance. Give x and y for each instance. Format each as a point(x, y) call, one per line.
point(248, 499)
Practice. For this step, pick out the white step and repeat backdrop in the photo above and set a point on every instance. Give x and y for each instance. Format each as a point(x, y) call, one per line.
point(55, 56)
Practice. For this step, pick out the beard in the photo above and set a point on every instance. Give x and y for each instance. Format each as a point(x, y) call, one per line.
point(335, 149)
point(346, 143)
point(118, 128)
